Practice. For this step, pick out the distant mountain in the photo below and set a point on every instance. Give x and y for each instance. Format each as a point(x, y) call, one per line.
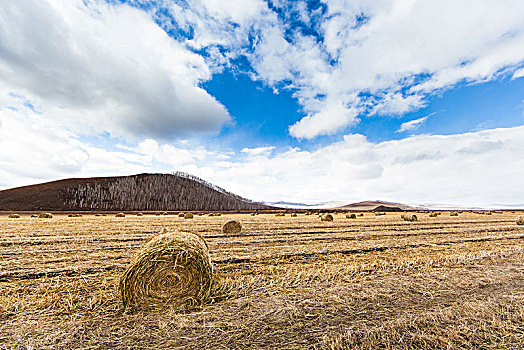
point(292, 205)
point(377, 206)
point(337, 205)
point(178, 191)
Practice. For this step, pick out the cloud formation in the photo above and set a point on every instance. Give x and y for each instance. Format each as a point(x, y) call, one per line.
point(480, 168)
point(97, 67)
point(412, 124)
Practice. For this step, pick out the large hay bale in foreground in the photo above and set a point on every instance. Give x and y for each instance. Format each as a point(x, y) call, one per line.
point(232, 226)
point(120, 215)
point(45, 215)
point(520, 220)
point(188, 216)
point(327, 217)
point(173, 269)
point(351, 216)
point(13, 216)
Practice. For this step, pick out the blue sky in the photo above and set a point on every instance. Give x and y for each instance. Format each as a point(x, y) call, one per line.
point(309, 100)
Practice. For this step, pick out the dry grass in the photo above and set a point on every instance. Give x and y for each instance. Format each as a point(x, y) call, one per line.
point(367, 283)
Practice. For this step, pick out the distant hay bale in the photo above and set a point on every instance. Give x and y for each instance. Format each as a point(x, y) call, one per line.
point(308, 213)
point(327, 217)
point(520, 220)
point(280, 214)
point(34, 216)
point(294, 215)
point(139, 214)
point(361, 214)
point(409, 217)
point(120, 215)
point(351, 216)
point(173, 269)
point(45, 215)
point(158, 214)
point(453, 213)
point(253, 214)
point(74, 216)
point(232, 226)
point(13, 216)
point(164, 213)
point(218, 214)
point(433, 215)
point(188, 216)
point(181, 215)
point(488, 213)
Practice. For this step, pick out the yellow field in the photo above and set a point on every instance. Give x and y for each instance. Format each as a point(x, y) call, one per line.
point(287, 283)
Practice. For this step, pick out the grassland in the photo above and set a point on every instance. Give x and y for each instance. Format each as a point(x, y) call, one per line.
point(286, 283)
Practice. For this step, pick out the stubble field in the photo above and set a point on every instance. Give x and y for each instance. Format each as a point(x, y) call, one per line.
point(286, 283)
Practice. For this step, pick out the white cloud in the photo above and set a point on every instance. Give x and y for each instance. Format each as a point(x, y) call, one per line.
point(258, 150)
point(412, 124)
point(518, 74)
point(95, 67)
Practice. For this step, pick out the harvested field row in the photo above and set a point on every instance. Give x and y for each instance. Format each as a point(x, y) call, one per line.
point(307, 286)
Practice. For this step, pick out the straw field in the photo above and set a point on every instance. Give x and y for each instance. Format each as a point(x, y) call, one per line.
point(283, 282)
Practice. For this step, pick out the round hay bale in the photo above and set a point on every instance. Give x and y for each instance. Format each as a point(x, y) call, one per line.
point(232, 226)
point(361, 214)
point(294, 215)
point(45, 215)
point(34, 216)
point(164, 213)
point(520, 220)
point(120, 215)
point(181, 215)
point(13, 216)
point(188, 216)
point(139, 214)
point(280, 214)
point(433, 215)
point(351, 216)
point(173, 269)
point(453, 213)
point(409, 217)
point(253, 214)
point(211, 214)
point(327, 217)
point(218, 214)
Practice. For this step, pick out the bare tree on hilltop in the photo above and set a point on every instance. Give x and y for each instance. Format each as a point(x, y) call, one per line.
point(177, 191)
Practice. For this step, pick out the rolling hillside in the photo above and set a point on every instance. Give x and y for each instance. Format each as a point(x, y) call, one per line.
point(178, 191)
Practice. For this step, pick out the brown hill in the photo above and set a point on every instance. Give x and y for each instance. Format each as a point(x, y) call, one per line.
point(177, 191)
point(375, 206)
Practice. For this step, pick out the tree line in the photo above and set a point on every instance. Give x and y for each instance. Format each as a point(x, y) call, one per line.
point(176, 191)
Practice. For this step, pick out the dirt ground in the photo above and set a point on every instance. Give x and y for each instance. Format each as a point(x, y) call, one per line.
point(373, 282)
